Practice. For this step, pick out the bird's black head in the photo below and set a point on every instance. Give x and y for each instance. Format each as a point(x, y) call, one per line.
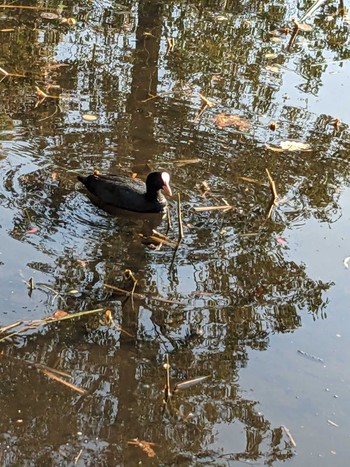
point(158, 181)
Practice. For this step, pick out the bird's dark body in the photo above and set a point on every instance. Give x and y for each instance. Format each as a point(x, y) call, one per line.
point(125, 193)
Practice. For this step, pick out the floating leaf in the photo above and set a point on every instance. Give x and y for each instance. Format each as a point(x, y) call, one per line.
point(182, 162)
point(271, 55)
point(336, 123)
point(216, 77)
point(223, 120)
point(48, 15)
point(273, 68)
point(276, 39)
point(221, 18)
point(31, 231)
point(146, 446)
point(89, 117)
point(73, 292)
point(273, 148)
point(346, 262)
point(108, 315)
point(295, 146)
point(278, 32)
point(70, 21)
point(59, 314)
point(281, 240)
point(190, 382)
point(303, 26)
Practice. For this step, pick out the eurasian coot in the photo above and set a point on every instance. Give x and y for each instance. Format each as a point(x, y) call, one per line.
point(127, 193)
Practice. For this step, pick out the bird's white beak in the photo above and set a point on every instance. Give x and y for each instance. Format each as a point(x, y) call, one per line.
point(166, 181)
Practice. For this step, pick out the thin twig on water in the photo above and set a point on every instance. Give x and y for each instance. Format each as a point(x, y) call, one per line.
point(34, 324)
point(274, 193)
point(179, 214)
point(139, 296)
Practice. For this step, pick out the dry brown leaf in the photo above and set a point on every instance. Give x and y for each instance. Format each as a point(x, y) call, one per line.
point(223, 120)
point(59, 314)
point(146, 446)
point(336, 123)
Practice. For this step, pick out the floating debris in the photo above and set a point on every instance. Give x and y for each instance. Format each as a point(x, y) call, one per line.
point(225, 207)
point(332, 423)
point(146, 446)
point(311, 357)
point(224, 120)
point(290, 145)
point(291, 439)
point(89, 117)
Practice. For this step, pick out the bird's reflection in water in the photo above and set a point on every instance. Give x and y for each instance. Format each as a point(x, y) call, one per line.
point(147, 221)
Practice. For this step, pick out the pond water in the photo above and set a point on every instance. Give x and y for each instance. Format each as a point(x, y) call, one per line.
point(255, 297)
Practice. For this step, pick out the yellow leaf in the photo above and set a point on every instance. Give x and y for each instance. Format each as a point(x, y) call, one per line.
point(295, 146)
point(73, 292)
point(89, 117)
point(273, 68)
point(303, 27)
point(273, 148)
point(108, 315)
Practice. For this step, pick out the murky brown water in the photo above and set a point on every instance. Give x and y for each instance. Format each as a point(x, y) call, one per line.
point(264, 300)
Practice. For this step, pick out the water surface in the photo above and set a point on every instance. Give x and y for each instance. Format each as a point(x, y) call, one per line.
point(263, 297)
